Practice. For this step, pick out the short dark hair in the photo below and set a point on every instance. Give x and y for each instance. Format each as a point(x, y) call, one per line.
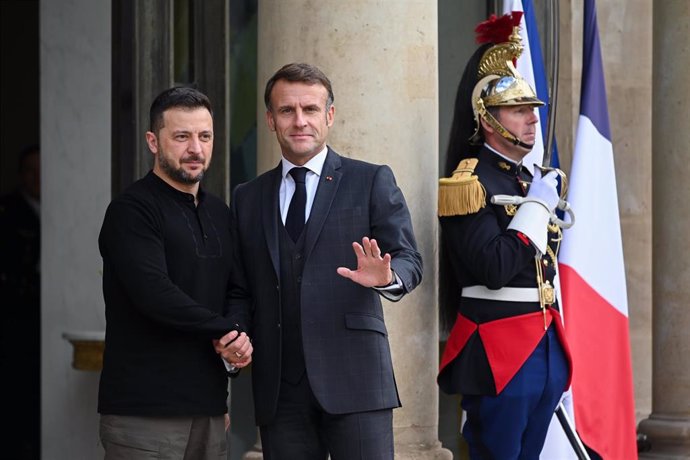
point(495, 111)
point(177, 97)
point(299, 72)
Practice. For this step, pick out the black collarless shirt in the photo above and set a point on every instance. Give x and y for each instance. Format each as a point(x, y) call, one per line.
point(166, 265)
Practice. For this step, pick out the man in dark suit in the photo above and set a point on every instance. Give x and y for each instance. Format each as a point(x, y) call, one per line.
point(322, 373)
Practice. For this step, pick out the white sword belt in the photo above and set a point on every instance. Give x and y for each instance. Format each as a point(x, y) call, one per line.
point(505, 294)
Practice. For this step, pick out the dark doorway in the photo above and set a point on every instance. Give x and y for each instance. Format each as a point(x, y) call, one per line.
point(20, 330)
point(19, 102)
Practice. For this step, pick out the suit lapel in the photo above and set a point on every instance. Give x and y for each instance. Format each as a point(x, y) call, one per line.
point(269, 203)
point(325, 193)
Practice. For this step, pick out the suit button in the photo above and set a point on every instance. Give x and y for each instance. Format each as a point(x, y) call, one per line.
point(299, 279)
point(278, 325)
point(298, 256)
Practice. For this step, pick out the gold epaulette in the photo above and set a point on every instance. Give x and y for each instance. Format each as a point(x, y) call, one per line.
point(462, 193)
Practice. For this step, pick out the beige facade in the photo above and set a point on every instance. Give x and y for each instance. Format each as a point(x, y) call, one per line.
point(384, 62)
point(668, 426)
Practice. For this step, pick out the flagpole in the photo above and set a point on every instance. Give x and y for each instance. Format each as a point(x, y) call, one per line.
point(554, 58)
point(570, 433)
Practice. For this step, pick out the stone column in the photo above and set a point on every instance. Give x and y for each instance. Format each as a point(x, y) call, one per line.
point(668, 427)
point(382, 60)
point(75, 190)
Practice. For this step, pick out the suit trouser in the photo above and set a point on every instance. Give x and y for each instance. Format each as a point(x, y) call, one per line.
point(302, 430)
point(513, 424)
point(170, 438)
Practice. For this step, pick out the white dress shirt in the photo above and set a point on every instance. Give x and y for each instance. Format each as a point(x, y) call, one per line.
point(311, 182)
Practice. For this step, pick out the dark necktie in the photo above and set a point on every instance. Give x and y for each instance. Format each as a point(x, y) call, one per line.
point(294, 223)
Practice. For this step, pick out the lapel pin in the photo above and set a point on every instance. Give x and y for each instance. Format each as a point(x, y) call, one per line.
point(329, 178)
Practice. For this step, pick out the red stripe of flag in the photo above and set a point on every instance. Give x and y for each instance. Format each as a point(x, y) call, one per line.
point(604, 413)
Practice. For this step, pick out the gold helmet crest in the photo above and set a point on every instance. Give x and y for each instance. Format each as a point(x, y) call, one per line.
point(500, 83)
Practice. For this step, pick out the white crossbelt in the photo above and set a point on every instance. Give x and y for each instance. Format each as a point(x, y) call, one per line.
point(506, 294)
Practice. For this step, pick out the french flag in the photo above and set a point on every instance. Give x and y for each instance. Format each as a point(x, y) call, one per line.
point(592, 274)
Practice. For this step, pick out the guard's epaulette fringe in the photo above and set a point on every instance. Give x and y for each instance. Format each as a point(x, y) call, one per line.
point(462, 193)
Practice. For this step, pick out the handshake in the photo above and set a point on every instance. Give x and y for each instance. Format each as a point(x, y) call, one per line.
point(235, 347)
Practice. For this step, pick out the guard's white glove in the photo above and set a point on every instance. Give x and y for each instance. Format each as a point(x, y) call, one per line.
point(532, 217)
point(545, 189)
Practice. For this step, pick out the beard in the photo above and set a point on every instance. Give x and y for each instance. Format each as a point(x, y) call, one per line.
point(179, 174)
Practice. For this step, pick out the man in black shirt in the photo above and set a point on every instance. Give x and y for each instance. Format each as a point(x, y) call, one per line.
point(165, 244)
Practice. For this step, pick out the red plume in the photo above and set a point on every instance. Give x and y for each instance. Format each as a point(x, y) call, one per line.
point(497, 29)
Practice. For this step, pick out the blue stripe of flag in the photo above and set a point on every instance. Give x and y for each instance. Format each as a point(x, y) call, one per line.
point(540, 82)
point(593, 94)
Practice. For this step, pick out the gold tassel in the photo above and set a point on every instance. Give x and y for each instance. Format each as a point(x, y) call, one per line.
point(462, 193)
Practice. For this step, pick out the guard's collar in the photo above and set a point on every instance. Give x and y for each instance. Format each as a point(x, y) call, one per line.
point(502, 162)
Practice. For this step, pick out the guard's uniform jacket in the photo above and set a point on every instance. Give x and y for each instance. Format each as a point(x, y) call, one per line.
point(498, 326)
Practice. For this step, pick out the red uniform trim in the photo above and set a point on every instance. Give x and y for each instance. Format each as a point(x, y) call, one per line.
point(459, 335)
point(523, 238)
point(508, 342)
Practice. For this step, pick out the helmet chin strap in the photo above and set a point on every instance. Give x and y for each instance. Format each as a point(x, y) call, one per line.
point(500, 129)
point(516, 140)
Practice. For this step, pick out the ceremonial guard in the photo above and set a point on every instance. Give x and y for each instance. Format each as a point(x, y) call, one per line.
point(506, 352)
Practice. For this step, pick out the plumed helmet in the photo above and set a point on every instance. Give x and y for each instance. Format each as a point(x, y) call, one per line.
point(498, 81)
